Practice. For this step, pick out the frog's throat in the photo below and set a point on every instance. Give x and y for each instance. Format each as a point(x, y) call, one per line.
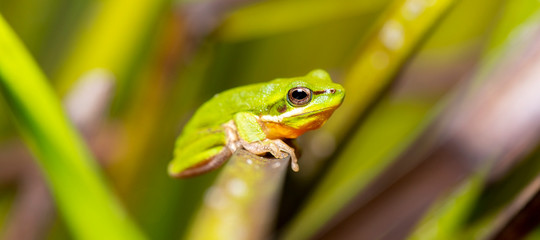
point(277, 129)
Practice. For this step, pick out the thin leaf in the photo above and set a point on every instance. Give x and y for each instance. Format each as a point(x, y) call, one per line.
point(447, 216)
point(398, 33)
point(83, 198)
point(507, 41)
point(373, 147)
point(110, 40)
point(380, 139)
point(252, 22)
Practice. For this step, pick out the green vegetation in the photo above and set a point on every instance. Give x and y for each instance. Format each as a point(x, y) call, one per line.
point(437, 137)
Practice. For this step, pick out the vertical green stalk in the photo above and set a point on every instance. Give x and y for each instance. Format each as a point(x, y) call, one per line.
point(111, 40)
point(507, 41)
point(398, 33)
point(84, 200)
point(371, 149)
point(447, 217)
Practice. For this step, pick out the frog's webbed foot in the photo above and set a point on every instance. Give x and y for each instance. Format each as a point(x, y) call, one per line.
point(276, 147)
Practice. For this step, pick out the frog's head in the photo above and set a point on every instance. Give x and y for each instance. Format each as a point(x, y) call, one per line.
point(301, 104)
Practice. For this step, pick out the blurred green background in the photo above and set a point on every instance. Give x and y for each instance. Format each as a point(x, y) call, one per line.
point(437, 137)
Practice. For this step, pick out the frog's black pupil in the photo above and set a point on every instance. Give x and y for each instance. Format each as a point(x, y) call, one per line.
point(299, 94)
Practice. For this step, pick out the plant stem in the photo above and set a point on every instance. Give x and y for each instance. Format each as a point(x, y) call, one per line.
point(242, 202)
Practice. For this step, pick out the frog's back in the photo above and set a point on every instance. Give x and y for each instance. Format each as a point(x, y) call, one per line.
point(222, 107)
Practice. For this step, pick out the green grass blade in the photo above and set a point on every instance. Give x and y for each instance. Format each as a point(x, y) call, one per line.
point(398, 33)
point(111, 40)
point(252, 22)
point(380, 139)
point(515, 23)
point(518, 18)
point(372, 148)
point(447, 217)
point(84, 200)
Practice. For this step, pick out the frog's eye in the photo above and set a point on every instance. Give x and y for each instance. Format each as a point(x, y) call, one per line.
point(299, 96)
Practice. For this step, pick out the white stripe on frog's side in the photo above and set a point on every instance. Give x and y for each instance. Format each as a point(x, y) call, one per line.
point(279, 118)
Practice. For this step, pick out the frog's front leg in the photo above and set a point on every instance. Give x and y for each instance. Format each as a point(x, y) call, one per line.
point(251, 137)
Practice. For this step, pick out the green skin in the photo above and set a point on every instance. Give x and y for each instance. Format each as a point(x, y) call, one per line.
point(255, 117)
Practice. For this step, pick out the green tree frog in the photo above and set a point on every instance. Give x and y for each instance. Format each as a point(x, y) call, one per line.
point(257, 118)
